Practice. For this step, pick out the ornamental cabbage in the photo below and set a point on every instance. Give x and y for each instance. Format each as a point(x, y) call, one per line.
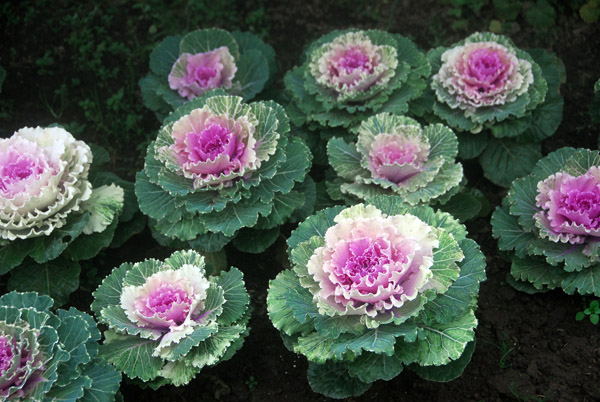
point(167, 320)
point(394, 155)
point(348, 75)
point(550, 224)
point(485, 84)
point(184, 67)
point(46, 356)
point(48, 208)
point(374, 288)
point(220, 167)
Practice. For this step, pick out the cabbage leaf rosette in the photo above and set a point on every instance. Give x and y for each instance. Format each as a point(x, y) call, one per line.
point(47, 356)
point(48, 208)
point(502, 101)
point(169, 319)
point(184, 67)
point(220, 169)
point(550, 224)
point(349, 75)
point(394, 155)
point(377, 287)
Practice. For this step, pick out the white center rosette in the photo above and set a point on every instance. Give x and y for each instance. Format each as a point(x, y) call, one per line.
point(170, 303)
point(43, 178)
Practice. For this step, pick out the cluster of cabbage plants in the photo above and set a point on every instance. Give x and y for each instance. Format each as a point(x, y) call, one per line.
point(46, 356)
point(221, 168)
point(169, 319)
point(375, 288)
point(184, 67)
point(549, 223)
point(502, 100)
point(56, 208)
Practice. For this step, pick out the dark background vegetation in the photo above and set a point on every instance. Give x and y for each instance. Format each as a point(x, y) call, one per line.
point(78, 63)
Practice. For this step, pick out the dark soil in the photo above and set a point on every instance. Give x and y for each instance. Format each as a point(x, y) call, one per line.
point(529, 347)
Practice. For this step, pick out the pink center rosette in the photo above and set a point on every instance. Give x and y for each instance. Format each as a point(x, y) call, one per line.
point(397, 157)
point(372, 264)
point(479, 74)
point(170, 303)
point(351, 64)
point(570, 207)
point(194, 74)
point(213, 149)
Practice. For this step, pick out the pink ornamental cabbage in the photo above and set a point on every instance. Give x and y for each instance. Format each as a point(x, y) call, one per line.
point(351, 64)
point(397, 156)
point(43, 178)
point(194, 74)
point(570, 207)
point(479, 74)
point(168, 303)
point(372, 264)
point(213, 149)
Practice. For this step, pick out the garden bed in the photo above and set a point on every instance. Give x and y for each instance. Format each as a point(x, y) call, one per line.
point(529, 347)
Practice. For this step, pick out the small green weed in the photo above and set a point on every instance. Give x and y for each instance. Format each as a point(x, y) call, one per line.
point(251, 382)
point(593, 311)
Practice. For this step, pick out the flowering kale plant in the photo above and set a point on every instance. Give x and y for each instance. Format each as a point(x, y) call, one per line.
point(550, 223)
point(219, 166)
point(394, 155)
point(169, 319)
point(50, 357)
point(484, 84)
point(347, 76)
point(375, 288)
point(181, 68)
point(48, 208)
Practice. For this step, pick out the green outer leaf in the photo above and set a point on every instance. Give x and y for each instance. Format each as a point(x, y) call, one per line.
point(211, 351)
point(252, 74)
point(510, 235)
point(14, 253)
point(209, 242)
point(255, 241)
point(205, 40)
point(236, 216)
point(248, 41)
point(177, 351)
point(109, 291)
point(70, 392)
point(164, 56)
point(504, 160)
point(22, 300)
point(333, 381)
point(50, 247)
point(236, 296)
point(153, 200)
point(280, 314)
point(315, 225)
point(370, 367)
point(462, 294)
point(58, 279)
point(545, 119)
point(105, 382)
point(463, 206)
point(537, 272)
point(448, 372)
point(344, 158)
point(132, 356)
point(438, 344)
point(85, 246)
point(471, 145)
point(283, 207)
point(521, 198)
point(585, 282)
